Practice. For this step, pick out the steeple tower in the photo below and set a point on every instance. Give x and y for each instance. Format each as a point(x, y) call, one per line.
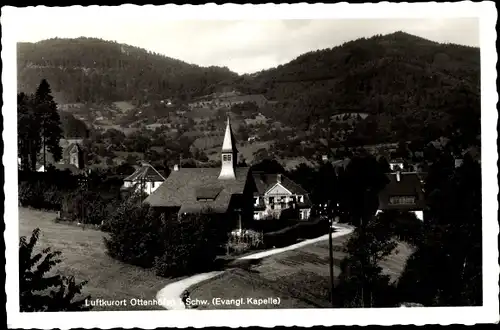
point(229, 154)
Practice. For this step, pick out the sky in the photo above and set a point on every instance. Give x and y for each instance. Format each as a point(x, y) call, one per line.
point(244, 45)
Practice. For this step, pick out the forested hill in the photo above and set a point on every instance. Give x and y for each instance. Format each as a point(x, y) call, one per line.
point(396, 77)
point(93, 70)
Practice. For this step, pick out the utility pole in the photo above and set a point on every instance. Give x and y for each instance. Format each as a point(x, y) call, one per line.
point(330, 249)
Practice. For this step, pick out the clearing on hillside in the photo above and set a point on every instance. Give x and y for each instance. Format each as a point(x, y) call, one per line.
point(124, 106)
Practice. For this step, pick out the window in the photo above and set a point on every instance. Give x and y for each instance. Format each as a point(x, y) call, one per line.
point(255, 201)
point(271, 202)
point(226, 158)
point(402, 200)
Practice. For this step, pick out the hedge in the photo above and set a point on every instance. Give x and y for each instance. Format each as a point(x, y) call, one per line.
point(142, 236)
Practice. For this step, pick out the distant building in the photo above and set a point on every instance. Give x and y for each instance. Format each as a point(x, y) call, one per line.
point(276, 193)
point(145, 178)
point(72, 157)
point(458, 162)
point(404, 192)
point(228, 100)
point(396, 164)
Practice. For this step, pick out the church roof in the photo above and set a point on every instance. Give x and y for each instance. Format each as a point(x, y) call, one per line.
point(229, 143)
point(194, 189)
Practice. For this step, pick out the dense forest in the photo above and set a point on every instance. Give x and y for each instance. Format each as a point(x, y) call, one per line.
point(93, 70)
point(411, 87)
point(407, 83)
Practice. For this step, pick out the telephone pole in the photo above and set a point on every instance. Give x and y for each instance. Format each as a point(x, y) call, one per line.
point(330, 250)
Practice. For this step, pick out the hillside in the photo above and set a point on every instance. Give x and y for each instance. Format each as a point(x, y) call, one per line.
point(94, 70)
point(409, 87)
point(407, 84)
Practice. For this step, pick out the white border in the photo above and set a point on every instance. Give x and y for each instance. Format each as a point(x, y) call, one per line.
point(486, 11)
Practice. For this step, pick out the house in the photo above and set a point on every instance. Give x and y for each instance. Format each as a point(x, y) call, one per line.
point(72, 157)
point(228, 189)
point(458, 162)
point(145, 178)
point(404, 192)
point(396, 164)
point(276, 193)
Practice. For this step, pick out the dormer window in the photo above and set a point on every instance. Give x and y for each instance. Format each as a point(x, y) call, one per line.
point(402, 200)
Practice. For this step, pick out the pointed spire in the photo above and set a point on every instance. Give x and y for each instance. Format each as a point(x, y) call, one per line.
point(229, 154)
point(229, 145)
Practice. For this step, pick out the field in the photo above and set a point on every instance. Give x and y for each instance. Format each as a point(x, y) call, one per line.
point(84, 256)
point(299, 277)
point(245, 150)
point(124, 106)
point(125, 130)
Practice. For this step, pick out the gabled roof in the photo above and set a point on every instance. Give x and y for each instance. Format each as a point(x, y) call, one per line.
point(264, 182)
point(69, 148)
point(182, 187)
point(146, 173)
point(410, 184)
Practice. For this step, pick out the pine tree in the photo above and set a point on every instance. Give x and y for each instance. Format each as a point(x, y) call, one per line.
point(361, 183)
point(28, 127)
point(34, 284)
point(50, 122)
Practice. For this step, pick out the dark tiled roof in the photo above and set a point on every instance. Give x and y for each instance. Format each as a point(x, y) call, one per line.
point(264, 182)
point(147, 173)
point(409, 185)
point(181, 187)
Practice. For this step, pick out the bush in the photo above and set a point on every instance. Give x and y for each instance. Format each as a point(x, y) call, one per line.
point(135, 234)
point(87, 207)
point(404, 225)
point(39, 195)
point(34, 285)
point(192, 244)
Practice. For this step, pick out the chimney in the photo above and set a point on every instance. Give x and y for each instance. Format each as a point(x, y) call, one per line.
point(398, 176)
point(279, 178)
point(176, 167)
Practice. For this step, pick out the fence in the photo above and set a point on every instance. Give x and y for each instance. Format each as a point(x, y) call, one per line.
point(244, 240)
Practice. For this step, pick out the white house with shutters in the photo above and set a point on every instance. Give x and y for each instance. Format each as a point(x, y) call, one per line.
point(276, 193)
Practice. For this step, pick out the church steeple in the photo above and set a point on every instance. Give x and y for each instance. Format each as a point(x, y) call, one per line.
point(229, 154)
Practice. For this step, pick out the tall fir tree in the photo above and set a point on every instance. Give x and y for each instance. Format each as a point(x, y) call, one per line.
point(50, 122)
point(361, 183)
point(28, 128)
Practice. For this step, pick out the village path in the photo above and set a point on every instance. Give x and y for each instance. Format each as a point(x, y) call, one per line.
point(171, 293)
